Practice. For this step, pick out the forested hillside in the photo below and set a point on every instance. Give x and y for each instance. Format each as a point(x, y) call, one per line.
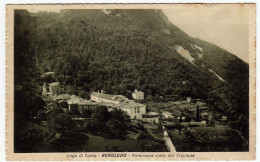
point(27, 100)
point(120, 50)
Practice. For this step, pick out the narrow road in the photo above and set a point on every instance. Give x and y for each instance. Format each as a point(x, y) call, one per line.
point(168, 141)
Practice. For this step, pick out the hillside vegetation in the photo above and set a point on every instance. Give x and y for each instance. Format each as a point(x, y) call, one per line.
point(120, 50)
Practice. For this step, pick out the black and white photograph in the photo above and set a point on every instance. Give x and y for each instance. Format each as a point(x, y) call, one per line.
point(173, 79)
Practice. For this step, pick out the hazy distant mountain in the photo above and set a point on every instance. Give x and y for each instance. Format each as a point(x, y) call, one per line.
point(120, 50)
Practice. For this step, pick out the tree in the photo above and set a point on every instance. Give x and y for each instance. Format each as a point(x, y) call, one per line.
point(26, 79)
point(211, 121)
point(87, 113)
point(198, 114)
point(101, 114)
point(190, 133)
point(118, 123)
point(93, 126)
point(180, 120)
point(116, 128)
point(179, 127)
point(48, 78)
point(54, 112)
point(120, 116)
point(188, 118)
point(160, 127)
point(35, 104)
point(27, 139)
point(92, 59)
point(41, 115)
point(62, 123)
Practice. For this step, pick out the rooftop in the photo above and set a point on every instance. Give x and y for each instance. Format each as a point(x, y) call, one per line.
point(47, 98)
point(49, 73)
point(54, 84)
point(224, 117)
point(103, 95)
point(136, 91)
point(62, 97)
point(108, 104)
point(75, 100)
point(119, 98)
point(123, 101)
point(86, 102)
point(130, 104)
point(201, 108)
point(204, 113)
point(62, 101)
point(167, 112)
point(151, 113)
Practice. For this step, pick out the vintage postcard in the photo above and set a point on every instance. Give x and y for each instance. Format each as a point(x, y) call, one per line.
point(130, 82)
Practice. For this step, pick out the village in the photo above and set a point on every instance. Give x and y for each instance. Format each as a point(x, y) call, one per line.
point(132, 107)
point(119, 80)
point(176, 118)
point(74, 103)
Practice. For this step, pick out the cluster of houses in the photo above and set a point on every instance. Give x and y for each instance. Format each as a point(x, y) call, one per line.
point(205, 115)
point(74, 103)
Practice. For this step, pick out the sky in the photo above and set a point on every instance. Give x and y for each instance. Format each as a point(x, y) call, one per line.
point(226, 27)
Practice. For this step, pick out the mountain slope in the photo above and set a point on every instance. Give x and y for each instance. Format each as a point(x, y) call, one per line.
point(120, 50)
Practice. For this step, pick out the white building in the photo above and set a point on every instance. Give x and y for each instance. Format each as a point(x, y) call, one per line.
point(189, 99)
point(138, 95)
point(54, 87)
point(167, 115)
point(84, 105)
point(133, 109)
point(73, 103)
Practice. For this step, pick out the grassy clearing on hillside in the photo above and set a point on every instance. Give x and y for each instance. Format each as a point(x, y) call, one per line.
point(208, 139)
point(99, 144)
